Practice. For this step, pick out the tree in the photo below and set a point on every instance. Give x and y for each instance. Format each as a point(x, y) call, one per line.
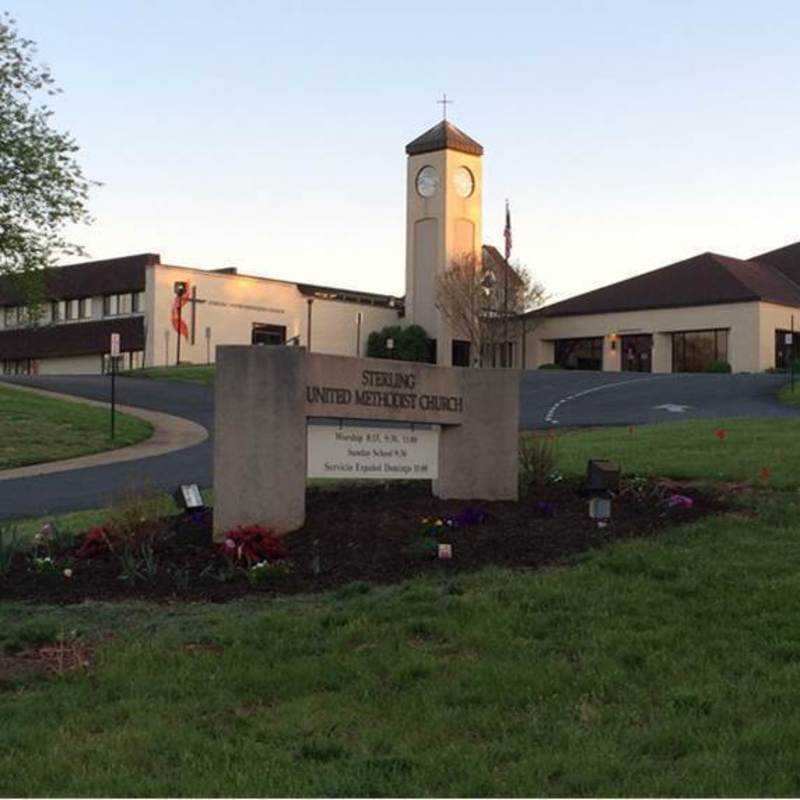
point(471, 296)
point(42, 187)
point(411, 343)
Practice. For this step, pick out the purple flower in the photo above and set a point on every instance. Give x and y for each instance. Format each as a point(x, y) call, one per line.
point(679, 501)
point(546, 508)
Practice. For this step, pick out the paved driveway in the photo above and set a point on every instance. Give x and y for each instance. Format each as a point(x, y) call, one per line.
point(553, 398)
point(547, 399)
point(95, 486)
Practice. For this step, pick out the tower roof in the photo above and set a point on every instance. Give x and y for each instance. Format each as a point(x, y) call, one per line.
point(444, 136)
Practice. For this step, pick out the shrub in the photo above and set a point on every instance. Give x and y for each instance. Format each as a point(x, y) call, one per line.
point(10, 545)
point(550, 366)
point(537, 459)
point(411, 343)
point(719, 366)
point(251, 544)
point(137, 514)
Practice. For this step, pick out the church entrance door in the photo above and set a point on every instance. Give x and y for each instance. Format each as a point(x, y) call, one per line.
point(637, 353)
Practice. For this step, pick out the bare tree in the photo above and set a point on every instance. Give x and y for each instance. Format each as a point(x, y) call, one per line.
point(476, 301)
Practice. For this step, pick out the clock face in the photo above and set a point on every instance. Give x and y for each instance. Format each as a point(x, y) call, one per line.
point(428, 181)
point(463, 182)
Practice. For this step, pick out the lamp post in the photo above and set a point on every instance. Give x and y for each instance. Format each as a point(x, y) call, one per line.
point(359, 319)
point(310, 302)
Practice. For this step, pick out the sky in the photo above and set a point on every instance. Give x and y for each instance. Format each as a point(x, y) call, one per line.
point(270, 136)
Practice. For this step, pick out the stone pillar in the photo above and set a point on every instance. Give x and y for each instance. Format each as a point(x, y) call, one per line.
point(259, 438)
point(479, 458)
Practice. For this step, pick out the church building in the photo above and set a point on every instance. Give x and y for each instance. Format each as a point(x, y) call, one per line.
point(703, 312)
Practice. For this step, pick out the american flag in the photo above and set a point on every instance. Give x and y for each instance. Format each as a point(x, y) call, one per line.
point(507, 232)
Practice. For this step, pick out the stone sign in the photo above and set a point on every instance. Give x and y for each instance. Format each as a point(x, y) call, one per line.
point(359, 388)
point(361, 453)
point(265, 397)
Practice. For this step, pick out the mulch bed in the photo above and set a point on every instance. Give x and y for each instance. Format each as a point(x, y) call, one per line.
point(369, 534)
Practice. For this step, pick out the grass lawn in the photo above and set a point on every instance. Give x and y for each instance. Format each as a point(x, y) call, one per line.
point(786, 395)
point(661, 666)
point(35, 428)
point(187, 372)
point(691, 450)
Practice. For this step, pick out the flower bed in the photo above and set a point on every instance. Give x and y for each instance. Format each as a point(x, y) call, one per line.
point(377, 534)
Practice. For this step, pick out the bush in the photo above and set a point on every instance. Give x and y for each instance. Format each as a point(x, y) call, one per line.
point(537, 460)
point(550, 366)
point(719, 366)
point(11, 544)
point(411, 343)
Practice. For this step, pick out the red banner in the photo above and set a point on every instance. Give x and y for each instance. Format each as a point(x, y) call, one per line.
point(178, 323)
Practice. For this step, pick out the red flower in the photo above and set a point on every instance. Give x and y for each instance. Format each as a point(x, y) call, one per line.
point(252, 543)
point(96, 542)
point(721, 433)
point(631, 429)
point(765, 474)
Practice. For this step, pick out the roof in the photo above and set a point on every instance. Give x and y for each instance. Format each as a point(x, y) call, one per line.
point(785, 259)
point(444, 136)
point(705, 279)
point(109, 276)
point(73, 339)
point(350, 295)
point(500, 264)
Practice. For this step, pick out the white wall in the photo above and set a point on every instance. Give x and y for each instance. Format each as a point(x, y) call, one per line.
point(235, 302)
point(747, 351)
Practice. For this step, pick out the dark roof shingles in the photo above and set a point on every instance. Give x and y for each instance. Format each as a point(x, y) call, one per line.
point(444, 136)
point(73, 339)
point(109, 276)
point(705, 279)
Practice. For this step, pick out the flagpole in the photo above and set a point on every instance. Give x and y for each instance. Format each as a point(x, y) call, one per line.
point(506, 346)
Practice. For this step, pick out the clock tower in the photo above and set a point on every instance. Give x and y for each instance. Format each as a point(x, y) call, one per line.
point(443, 221)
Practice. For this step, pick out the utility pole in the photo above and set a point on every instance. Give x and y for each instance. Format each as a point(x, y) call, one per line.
point(310, 302)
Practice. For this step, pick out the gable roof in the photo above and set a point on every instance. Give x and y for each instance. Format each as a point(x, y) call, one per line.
point(785, 259)
point(705, 279)
point(109, 276)
point(444, 136)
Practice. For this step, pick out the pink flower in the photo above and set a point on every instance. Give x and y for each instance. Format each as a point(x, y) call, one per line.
point(230, 544)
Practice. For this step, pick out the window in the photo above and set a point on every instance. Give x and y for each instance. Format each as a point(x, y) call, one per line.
point(10, 317)
point(268, 334)
point(110, 305)
point(586, 353)
point(124, 303)
point(138, 302)
point(19, 366)
point(460, 353)
point(85, 308)
point(696, 351)
point(73, 309)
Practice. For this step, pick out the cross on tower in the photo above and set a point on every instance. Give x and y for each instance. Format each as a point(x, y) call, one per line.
point(444, 102)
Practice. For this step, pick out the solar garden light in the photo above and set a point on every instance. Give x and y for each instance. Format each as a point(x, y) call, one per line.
point(602, 478)
point(188, 497)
